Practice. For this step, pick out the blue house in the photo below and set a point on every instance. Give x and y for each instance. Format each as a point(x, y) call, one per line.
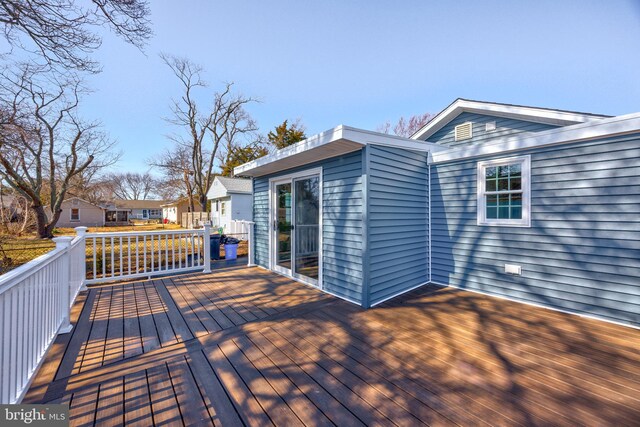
point(536, 205)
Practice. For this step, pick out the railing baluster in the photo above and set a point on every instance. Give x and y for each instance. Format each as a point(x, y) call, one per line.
point(113, 263)
point(137, 255)
point(159, 253)
point(94, 257)
point(173, 251)
point(152, 252)
point(196, 243)
point(144, 254)
point(166, 251)
point(120, 250)
point(104, 257)
point(129, 254)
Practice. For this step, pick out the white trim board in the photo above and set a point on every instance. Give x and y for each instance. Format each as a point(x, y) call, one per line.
point(560, 310)
point(604, 128)
point(531, 114)
point(401, 293)
point(333, 142)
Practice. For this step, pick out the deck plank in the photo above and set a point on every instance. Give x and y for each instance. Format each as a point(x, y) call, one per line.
point(164, 405)
point(243, 346)
point(132, 334)
point(110, 410)
point(137, 406)
point(220, 407)
point(245, 402)
point(192, 406)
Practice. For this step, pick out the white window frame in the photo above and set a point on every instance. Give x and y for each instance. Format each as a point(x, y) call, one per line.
point(71, 218)
point(525, 162)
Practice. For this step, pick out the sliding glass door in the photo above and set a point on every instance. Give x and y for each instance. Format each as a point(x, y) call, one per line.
point(283, 226)
point(307, 227)
point(296, 214)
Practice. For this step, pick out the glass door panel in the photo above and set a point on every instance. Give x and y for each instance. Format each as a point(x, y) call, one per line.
point(283, 225)
point(307, 227)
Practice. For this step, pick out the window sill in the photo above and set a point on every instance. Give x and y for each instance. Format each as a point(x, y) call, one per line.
point(504, 224)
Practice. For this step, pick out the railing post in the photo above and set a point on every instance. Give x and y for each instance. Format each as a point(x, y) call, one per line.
point(80, 233)
point(252, 261)
point(65, 283)
point(206, 242)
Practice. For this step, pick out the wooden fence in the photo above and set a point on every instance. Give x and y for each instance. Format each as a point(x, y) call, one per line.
point(193, 219)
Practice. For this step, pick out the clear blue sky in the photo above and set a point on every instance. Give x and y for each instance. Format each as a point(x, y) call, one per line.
point(361, 63)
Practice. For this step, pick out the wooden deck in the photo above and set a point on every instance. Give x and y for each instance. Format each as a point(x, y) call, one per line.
point(244, 346)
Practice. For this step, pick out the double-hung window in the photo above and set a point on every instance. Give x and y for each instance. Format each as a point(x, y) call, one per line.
point(504, 192)
point(75, 214)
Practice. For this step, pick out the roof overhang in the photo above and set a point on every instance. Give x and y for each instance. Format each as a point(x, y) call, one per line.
point(531, 114)
point(334, 142)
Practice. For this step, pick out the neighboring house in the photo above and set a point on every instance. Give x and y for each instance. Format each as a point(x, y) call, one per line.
point(172, 211)
point(230, 200)
point(121, 212)
point(11, 206)
point(532, 204)
point(77, 212)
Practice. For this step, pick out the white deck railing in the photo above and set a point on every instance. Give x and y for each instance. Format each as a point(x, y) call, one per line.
point(36, 298)
point(239, 228)
point(129, 255)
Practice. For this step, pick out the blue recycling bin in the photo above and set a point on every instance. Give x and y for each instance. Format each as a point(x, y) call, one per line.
point(214, 246)
point(231, 251)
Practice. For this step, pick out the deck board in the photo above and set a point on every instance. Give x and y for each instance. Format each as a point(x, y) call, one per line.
point(243, 346)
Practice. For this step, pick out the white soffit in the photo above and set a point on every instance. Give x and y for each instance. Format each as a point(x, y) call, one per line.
point(332, 143)
point(531, 114)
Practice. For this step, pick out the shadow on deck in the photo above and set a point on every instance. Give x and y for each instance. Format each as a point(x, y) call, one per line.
point(245, 346)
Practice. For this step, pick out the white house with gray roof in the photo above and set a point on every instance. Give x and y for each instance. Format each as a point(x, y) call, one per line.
point(231, 200)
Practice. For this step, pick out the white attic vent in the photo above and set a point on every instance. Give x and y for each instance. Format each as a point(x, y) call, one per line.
point(490, 126)
point(75, 202)
point(463, 131)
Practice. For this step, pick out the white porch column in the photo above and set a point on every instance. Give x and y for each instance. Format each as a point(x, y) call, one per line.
point(80, 233)
point(207, 248)
point(63, 243)
point(251, 252)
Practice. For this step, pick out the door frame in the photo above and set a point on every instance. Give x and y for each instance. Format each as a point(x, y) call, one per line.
point(307, 173)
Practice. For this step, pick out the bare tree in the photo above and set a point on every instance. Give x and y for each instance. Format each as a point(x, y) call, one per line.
point(131, 185)
point(63, 32)
point(177, 176)
point(43, 143)
point(406, 127)
point(206, 131)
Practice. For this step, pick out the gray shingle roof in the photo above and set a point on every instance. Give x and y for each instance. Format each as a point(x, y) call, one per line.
point(235, 185)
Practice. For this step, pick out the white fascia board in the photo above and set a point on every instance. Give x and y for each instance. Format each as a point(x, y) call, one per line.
point(604, 128)
point(339, 133)
point(300, 147)
point(532, 114)
point(377, 138)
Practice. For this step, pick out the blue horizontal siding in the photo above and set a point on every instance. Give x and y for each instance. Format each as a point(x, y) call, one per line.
point(398, 209)
point(504, 127)
point(342, 223)
point(582, 252)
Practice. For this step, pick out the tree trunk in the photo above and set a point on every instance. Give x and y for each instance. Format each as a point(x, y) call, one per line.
point(44, 227)
point(203, 203)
